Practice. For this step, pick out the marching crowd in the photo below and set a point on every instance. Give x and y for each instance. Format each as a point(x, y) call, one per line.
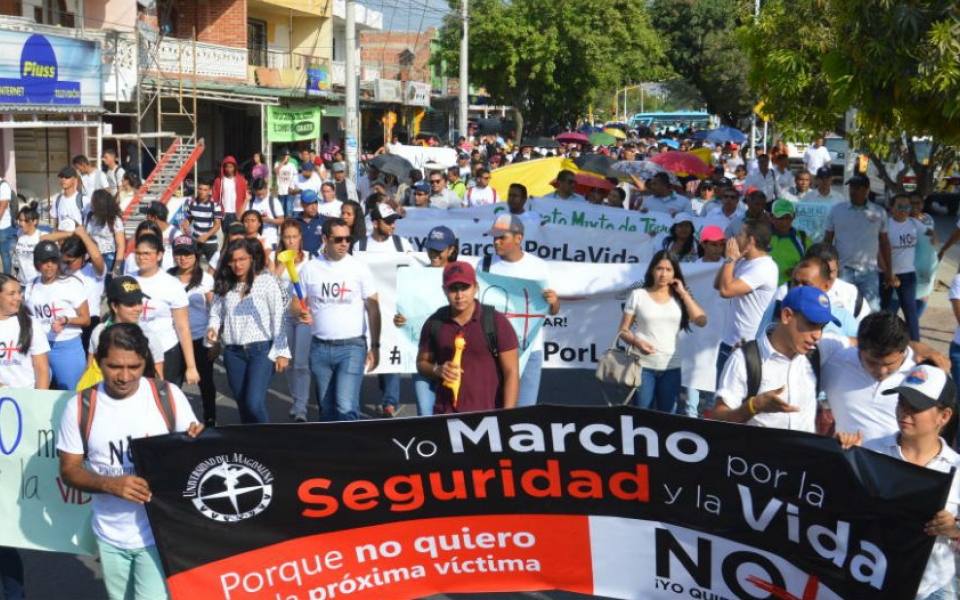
point(268, 278)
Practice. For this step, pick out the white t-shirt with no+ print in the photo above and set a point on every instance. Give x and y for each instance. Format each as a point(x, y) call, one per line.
point(61, 298)
point(336, 292)
point(16, 368)
point(120, 523)
point(166, 294)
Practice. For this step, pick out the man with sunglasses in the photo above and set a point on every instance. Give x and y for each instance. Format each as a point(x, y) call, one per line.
point(564, 191)
point(440, 196)
point(341, 299)
point(725, 210)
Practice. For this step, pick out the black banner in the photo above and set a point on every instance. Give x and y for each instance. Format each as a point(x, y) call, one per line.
point(608, 501)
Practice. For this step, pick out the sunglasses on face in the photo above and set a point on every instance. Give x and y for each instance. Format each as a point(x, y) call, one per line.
point(341, 239)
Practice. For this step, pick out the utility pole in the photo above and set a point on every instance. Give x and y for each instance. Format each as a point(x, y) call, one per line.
point(353, 104)
point(464, 70)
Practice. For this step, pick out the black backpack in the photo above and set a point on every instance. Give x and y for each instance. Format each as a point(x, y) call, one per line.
point(751, 356)
point(486, 324)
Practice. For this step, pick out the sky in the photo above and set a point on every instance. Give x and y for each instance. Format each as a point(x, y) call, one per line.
point(409, 15)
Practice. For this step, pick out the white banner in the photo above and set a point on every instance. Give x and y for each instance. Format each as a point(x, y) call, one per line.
point(421, 155)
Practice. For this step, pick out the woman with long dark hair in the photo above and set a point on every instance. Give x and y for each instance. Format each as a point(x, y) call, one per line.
point(298, 334)
point(60, 303)
point(165, 312)
point(28, 219)
point(652, 319)
point(198, 285)
point(681, 241)
point(105, 226)
point(246, 318)
point(352, 213)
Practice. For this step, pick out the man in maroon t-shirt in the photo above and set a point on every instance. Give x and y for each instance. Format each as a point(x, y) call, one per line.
point(486, 381)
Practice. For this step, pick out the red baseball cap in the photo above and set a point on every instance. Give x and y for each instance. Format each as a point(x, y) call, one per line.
point(459, 272)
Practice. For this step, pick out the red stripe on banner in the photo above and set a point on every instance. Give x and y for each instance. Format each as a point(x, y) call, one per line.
point(412, 559)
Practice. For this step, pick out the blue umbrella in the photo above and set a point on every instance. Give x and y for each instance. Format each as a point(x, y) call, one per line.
point(669, 142)
point(722, 135)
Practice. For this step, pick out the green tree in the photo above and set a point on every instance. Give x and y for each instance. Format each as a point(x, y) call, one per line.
point(549, 59)
point(896, 63)
point(702, 49)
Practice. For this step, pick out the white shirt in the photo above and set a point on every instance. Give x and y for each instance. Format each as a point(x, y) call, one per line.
point(156, 350)
point(387, 245)
point(336, 293)
point(286, 175)
point(269, 208)
point(844, 295)
point(955, 295)
point(23, 256)
point(103, 235)
point(814, 195)
point(857, 398)
point(785, 182)
point(672, 204)
point(120, 522)
point(657, 324)
point(93, 181)
point(6, 194)
point(857, 230)
point(765, 183)
point(92, 285)
point(197, 310)
point(814, 158)
point(573, 197)
point(61, 298)
point(16, 368)
point(256, 316)
point(795, 374)
point(228, 194)
point(445, 199)
point(480, 196)
point(941, 568)
point(529, 267)
point(903, 243)
point(166, 294)
point(66, 212)
point(746, 311)
point(329, 209)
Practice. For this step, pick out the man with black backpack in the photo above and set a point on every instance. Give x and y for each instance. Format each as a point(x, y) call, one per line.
point(774, 380)
point(485, 374)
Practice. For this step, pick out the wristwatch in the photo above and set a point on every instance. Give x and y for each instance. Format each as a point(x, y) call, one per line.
point(728, 261)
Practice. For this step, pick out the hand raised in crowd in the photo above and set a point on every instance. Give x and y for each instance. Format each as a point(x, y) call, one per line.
point(849, 440)
point(771, 402)
point(680, 289)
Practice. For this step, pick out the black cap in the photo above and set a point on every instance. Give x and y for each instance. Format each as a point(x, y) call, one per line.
point(236, 228)
point(184, 244)
point(67, 173)
point(45, 251)
point(125, 290)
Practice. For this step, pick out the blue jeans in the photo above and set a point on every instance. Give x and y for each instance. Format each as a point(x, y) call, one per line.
point(723, 354)
point(68, 361)
point(248, 373)
point(338, 366)
point(867, 282)
point(8, 242)
point(390, 388)
point(11, 574)
point(906, 301)
point(659, 390)
point(530, 379)
point(947, 592)
point(286, 201)
point(426, 391)
point(698, 403)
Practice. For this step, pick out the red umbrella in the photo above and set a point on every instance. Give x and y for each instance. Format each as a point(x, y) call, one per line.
point(682, 163)
point(584, 182)
point(572, 137)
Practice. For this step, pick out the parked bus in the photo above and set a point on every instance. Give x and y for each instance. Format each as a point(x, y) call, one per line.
point(681, 119)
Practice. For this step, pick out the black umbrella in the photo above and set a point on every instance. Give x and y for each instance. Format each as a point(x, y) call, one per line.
point(599, 164)
point(392, 164)
point(545, 142)
point(489, 126)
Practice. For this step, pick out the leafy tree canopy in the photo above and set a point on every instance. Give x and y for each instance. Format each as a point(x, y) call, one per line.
point(550, 58)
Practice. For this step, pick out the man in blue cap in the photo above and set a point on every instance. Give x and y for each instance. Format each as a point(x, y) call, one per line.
point(310, 221)
point(786, 396)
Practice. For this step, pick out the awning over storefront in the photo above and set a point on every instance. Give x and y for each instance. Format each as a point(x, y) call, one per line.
point(239, 94)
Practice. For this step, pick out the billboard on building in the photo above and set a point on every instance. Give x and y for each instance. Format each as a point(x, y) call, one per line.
point(293, 124)
point(416, 94)
point(318, 80)
point(39, 70)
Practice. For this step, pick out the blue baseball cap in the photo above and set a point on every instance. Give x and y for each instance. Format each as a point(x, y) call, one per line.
point(812, 303)
point(309, 197)
point(421, 186)
point(440, 238)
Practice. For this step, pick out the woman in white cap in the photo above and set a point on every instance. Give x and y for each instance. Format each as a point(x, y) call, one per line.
point(927, 403)
point(681, 241)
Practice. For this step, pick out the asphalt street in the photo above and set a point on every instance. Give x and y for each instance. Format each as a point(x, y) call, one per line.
point(66, 577)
